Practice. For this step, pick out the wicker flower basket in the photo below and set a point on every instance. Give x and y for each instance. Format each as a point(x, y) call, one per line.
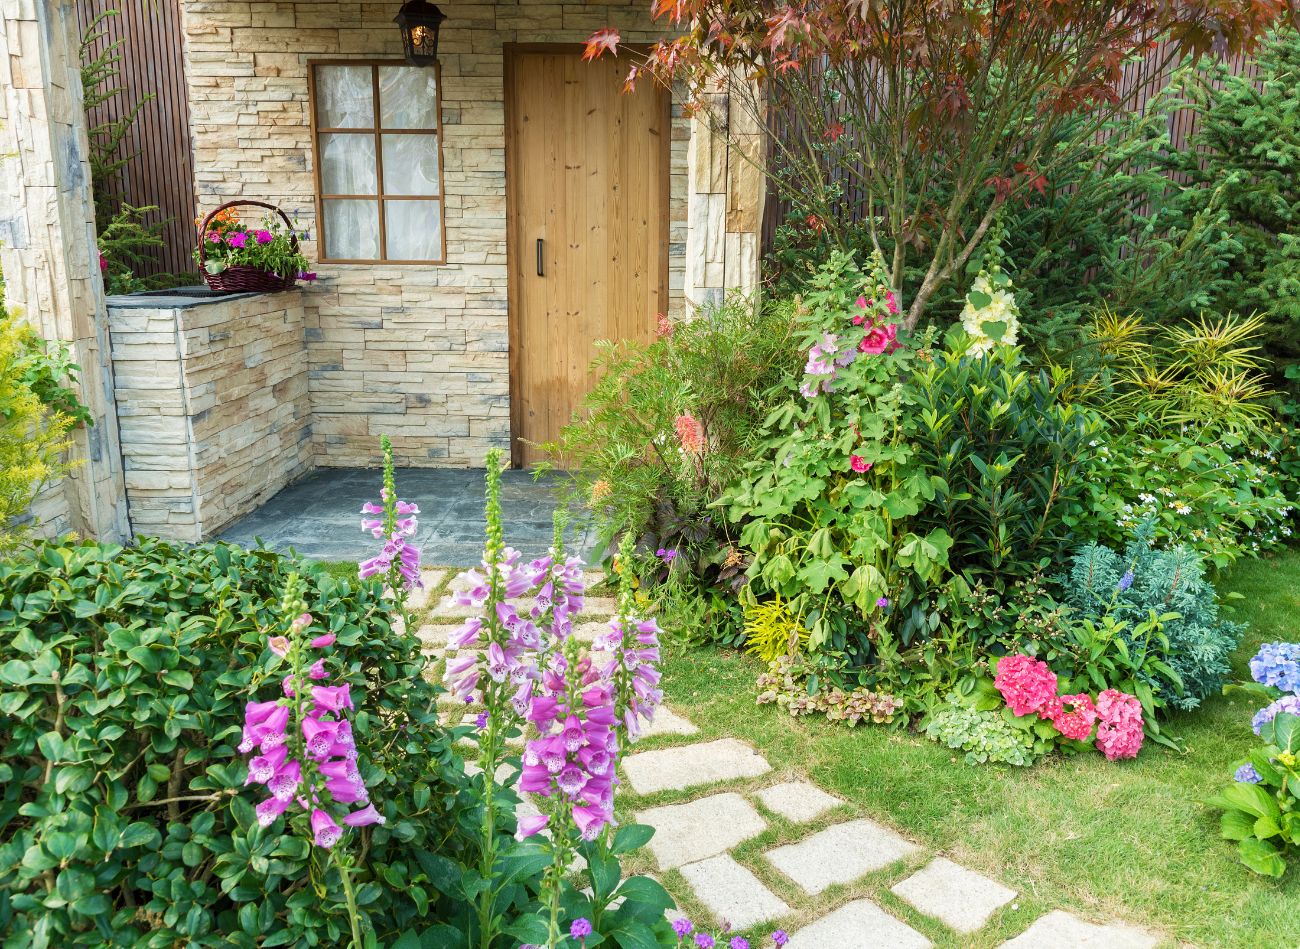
point(241, 278)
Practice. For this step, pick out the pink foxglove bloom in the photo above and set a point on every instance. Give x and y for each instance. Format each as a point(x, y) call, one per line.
point(325, 832)
point(365, 817)
point(532, 824)
point(320, 642)
point(279, 645)
point(332, 698)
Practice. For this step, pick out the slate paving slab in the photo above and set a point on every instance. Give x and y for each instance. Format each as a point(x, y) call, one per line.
point(1060, 929)
point(840, 854)
point(418, 598)
point(858, 925)
point(690, 765)
point(961, 899)
point(686, 833)
point(797, 801)
point(732, 893)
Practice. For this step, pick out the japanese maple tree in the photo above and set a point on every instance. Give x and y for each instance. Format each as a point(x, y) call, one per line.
point(925, 116)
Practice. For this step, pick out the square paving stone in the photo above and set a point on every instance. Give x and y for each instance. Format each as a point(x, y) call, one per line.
point(448, 608)
point(858, 925)
point(685, 833)
point(668, 722)
point(1059, 929)
point(418, 598)
point(689, 765)
point(732, 893)
point(797, 801)
point(959, 898)
point(840, 854)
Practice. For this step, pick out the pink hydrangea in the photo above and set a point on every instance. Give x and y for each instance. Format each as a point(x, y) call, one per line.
point(1119, 733)
point(1027, 684)
point(1072, 715)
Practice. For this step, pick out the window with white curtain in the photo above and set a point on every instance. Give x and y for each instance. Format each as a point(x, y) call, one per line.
point(378, 147)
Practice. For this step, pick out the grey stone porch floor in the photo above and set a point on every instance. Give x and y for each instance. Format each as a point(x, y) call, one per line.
point(319, 516)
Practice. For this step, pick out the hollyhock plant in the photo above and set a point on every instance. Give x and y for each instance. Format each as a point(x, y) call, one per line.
point(1026, 684)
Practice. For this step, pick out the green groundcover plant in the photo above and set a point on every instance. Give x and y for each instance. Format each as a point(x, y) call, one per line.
point(124, 674)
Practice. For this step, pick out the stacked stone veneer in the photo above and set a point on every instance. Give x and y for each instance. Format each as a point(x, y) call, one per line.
point(212, 406)
point(421, 352)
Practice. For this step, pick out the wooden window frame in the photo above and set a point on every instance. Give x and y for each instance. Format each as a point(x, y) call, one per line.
point(379, 197)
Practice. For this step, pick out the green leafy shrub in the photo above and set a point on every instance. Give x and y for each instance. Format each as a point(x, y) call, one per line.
point(1012, 459)
point(1223, 498)
point(1103, 586)
point(34, 440)
point(123, 679)
point(666, 428)
point(985, 735)
point(1261, 810)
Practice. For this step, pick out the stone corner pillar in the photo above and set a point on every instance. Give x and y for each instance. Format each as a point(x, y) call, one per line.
point(48, 240)
point(725, 195)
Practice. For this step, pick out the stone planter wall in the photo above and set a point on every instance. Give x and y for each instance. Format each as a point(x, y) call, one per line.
point(212, 405)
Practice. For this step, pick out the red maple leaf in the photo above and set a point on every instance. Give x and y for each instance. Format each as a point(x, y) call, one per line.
point(834, 131)
point(600, 42)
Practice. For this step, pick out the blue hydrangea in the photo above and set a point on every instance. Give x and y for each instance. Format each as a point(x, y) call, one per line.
point(1247, 774)
point(1278, 665)
point(1287, 703)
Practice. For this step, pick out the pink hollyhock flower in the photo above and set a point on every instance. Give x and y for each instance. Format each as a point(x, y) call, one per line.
point(690, 433)
point(1026, 684)
point(880, 339)
point(324, 830)
point(859, 464)
point(1072, 715)
point(103, 264)
point(891, 301)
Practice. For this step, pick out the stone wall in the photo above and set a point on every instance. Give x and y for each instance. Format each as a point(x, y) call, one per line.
point(47, 244)
point(213, 406)
point(416, 352)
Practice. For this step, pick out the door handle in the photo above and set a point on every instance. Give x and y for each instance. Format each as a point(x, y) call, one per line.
point(540, 268)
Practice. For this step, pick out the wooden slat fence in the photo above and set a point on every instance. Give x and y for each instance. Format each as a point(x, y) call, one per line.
point(1142, 81)
point(161, 168)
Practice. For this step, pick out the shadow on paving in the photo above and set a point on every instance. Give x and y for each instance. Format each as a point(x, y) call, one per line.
point(319, 516)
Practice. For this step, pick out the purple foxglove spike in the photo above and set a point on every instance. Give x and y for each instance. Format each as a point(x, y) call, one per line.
point(262, 768)
point(319, 736)
point(370, 507)
point(284, 783)
point(347, 792)
point(332, 698)
point(532, 824)
point(320, 642)
point(317, 670)
point(590, 820)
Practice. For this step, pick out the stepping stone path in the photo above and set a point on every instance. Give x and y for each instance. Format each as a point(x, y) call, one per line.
point(1060, 929)
point(685, 833)
point(675, 769)
point(840, 854)
point(733, 893)
point(696, 837)
point(959, 898)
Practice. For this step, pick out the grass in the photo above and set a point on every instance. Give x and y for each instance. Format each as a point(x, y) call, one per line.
point(1105, 840)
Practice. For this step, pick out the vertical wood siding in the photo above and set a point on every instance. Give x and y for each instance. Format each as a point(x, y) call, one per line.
point(1141, 82)
point(161, 167)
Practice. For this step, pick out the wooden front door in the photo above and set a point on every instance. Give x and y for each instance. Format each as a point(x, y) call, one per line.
point(587, 183)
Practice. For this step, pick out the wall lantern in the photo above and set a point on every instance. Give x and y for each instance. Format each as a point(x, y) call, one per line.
point(420, 22)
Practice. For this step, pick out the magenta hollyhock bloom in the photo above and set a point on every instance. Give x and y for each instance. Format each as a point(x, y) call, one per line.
point(859, 464)
point(325, 832)
point(532, 824)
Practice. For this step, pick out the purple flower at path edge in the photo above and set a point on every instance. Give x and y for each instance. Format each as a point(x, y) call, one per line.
point(683, 927)
point(580, 929)
point(704, 940)
point(1247, 774)
point(481, 721)
point(740, 943)
point(780, 938)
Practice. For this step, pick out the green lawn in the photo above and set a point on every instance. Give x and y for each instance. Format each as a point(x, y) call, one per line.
point(1128, 840)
